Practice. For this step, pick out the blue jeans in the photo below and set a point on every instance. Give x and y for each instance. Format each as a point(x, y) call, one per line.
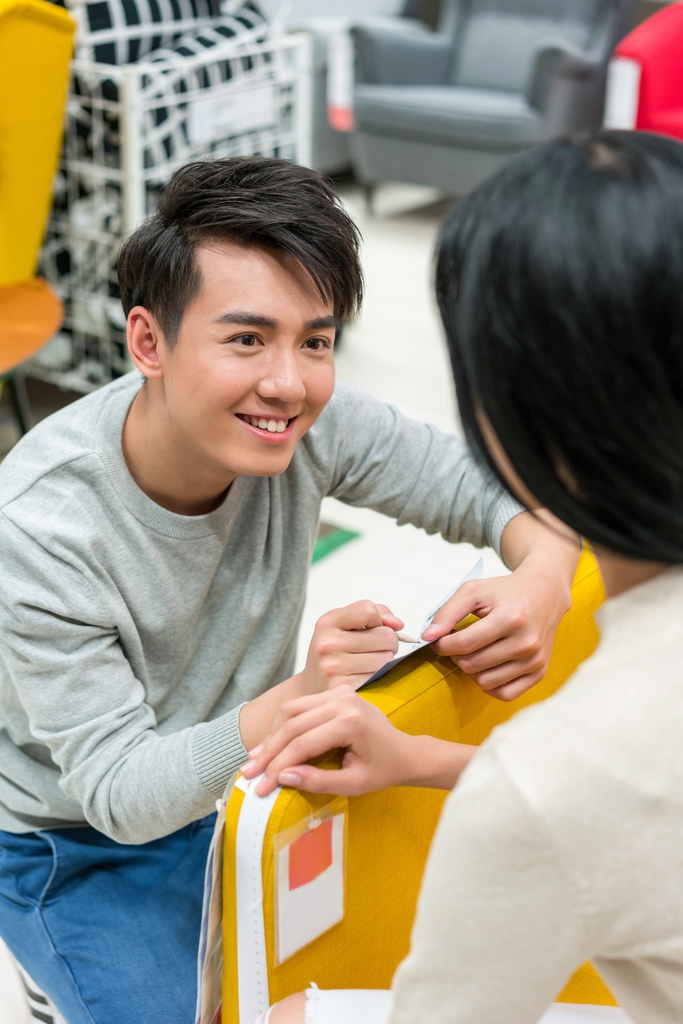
point(109, 932)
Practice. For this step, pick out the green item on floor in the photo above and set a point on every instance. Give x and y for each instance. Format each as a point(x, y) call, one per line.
point(329, 539)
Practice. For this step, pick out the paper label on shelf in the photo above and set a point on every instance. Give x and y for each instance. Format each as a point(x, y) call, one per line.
point(623, 93)
point(340, 61)
point(231, 113)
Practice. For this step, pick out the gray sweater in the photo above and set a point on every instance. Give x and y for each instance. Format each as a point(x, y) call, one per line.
point(130, 635)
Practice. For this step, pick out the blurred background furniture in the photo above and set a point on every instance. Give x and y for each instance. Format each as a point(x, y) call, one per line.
point(447, 108)
point(36, 43)
point(330, 150)
point(30, 314)
point(389, 835)
point(228, 85)
point(328, 24)
point(645, 83)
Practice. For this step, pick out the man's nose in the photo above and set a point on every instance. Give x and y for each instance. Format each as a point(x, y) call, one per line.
point(282, 380)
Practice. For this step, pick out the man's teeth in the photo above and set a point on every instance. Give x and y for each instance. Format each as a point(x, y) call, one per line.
point(274, 426)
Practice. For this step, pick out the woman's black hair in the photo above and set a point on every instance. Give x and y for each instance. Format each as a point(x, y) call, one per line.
point(560, 285)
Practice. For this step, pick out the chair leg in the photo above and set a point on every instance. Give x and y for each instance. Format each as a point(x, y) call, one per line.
point(16, 386)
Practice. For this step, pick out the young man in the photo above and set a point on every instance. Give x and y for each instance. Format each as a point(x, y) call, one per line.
point(155, 539)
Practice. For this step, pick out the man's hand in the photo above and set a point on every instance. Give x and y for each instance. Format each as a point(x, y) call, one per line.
point(508, 650)
point(376, 755)
point(349, 644)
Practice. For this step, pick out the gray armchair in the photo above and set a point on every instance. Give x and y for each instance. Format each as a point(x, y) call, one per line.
point(323, 19)
point(447, 108)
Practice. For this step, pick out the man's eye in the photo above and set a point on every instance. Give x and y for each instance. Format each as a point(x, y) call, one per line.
point(246, 340)
point(317, 343)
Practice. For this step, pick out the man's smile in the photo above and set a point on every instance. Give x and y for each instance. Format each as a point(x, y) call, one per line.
point(271, 428)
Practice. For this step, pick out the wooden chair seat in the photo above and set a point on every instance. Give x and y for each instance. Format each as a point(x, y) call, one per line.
point(30, 314)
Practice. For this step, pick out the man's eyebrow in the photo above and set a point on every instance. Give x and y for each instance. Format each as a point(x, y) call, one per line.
point(321, 322)
point(247, 318)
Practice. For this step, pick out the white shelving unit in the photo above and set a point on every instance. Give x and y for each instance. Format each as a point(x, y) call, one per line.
point(128, 128)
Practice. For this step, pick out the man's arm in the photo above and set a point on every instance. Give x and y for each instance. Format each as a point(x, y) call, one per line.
point(498, 931)
point(348, 645)
point(63, 656)
point(407, 470)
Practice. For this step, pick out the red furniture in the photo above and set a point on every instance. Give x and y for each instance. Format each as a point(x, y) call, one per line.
point(648, 62)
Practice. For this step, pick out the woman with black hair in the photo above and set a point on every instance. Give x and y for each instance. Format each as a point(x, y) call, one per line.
point(560, 284)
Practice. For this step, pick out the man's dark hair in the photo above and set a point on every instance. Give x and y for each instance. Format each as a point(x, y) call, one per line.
point(252, 201)
point(560, 285)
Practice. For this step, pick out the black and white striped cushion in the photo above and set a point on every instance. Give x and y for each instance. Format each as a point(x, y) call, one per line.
point(167, 132)
point(127, 31)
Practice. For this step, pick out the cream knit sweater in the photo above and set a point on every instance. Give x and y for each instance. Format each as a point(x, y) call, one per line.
point(563, 841)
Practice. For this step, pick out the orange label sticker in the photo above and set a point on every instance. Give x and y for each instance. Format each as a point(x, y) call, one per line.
point(309, 878)
point(310, 855)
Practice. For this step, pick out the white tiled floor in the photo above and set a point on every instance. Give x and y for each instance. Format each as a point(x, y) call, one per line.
point(396, 351)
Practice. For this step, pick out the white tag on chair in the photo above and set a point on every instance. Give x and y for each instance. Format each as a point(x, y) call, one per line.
point(309, 878)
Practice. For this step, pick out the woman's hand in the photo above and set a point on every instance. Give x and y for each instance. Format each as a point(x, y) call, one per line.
point(376, 755)
point(508, 650)
point(349, 644)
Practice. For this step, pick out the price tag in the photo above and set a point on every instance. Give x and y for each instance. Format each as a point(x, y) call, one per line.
point(310, 861)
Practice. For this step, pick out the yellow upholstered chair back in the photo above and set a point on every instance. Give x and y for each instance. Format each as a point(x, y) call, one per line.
point(36, 44)
point(389, 833)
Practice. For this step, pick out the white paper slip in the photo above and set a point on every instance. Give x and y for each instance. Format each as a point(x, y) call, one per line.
point(309, 879)
point(475, 573)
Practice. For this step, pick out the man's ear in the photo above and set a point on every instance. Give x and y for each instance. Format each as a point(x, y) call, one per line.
point(146, 343)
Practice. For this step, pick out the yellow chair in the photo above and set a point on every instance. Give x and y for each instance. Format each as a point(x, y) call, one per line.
point(389, 833)
point(36, 44)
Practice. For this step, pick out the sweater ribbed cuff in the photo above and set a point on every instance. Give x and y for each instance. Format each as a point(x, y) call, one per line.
point(217, 750)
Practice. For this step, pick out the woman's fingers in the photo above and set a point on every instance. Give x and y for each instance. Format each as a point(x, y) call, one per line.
point(501, 655)
point(473, 638)
point(318, 740)
point(520, 684)
point(344, 782)
point(279, 739)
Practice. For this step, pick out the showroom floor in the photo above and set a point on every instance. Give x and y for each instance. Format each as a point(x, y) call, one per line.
point(395, 352)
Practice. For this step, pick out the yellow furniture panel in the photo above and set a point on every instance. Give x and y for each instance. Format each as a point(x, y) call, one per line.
point(36, 44)
point(389, 833)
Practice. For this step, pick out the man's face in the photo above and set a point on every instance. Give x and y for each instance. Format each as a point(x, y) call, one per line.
point(252, 368)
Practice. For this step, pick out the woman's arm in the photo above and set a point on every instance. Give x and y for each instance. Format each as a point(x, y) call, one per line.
point(508, 650)
point(376, 755)
point(499, 929)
